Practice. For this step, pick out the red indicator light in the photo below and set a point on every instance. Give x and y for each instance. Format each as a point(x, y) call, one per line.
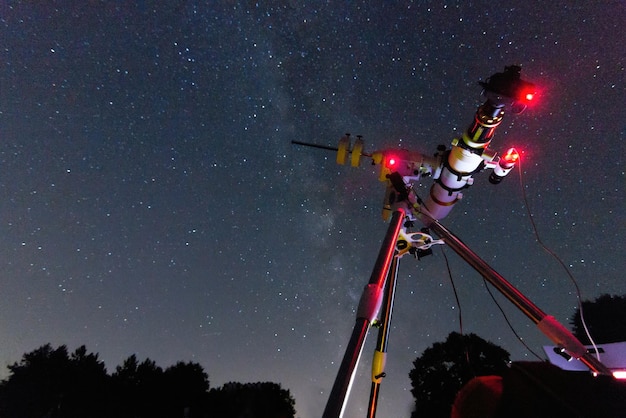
point(527, 93)
point(619, 374)
point(511, 156)
point(391, 162)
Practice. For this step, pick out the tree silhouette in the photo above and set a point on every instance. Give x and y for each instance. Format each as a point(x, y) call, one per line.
point(186, 386)
point(87, 389)
point(444, 368)
point(251, 400)
point(49, 382)
point(138, 388)
point(604, 317)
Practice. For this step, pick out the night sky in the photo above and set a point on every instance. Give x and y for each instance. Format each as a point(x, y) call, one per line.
point(151, 201)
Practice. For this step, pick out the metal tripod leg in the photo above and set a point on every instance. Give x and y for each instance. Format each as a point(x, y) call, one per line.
point(546, 323)
point(380, 355)
point(369, 305)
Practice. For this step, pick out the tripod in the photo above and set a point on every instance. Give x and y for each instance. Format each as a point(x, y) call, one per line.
point(374, 299)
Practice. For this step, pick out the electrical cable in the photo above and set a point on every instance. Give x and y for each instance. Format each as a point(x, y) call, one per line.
point(458, 304)
point(456, 295)
point(558, 259)
point(521, 340)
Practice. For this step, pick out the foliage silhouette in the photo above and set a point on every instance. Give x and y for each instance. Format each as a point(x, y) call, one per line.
point(604, 319)
point(443, 368)
point(187, 386)
point(49, 382)
point(252, 400)
point(138, 388)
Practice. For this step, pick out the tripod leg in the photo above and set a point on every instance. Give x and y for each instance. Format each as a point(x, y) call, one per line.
point(380, 355)
point(547, 324)
point(369, 305)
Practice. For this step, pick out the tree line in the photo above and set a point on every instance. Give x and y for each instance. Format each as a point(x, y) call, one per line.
point(53, 383)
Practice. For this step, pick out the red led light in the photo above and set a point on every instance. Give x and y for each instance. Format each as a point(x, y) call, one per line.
point(391, 162)
point(620, 374)
point(511, 156)
point(526, 92)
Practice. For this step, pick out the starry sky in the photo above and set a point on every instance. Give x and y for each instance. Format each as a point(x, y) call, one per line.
point(152, 202)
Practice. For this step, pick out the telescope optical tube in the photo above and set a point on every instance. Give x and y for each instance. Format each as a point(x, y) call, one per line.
point(466, 157)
